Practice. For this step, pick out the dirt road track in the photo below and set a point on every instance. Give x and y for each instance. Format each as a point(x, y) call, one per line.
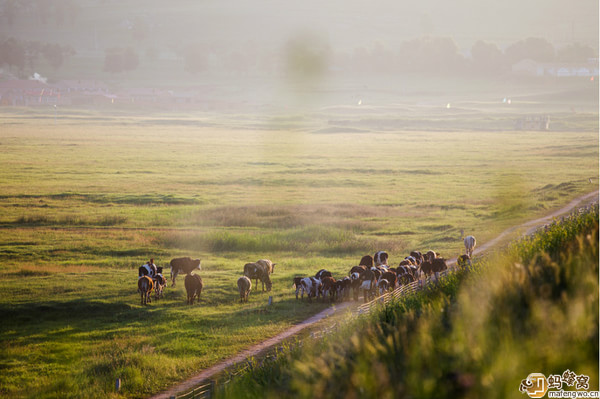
point(258, 348)
point(252, 351)
point(532, 225)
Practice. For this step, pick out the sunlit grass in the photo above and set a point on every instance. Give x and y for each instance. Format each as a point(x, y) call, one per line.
point(475, 334)
point(87, 200)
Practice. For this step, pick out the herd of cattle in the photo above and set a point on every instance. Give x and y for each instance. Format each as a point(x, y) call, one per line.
point(373, 276)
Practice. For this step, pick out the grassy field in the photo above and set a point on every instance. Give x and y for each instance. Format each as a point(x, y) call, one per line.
point(473, 334)
point(89, 196)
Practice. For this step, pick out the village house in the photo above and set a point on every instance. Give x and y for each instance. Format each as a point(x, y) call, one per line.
point(529, 67)
point(19, 92)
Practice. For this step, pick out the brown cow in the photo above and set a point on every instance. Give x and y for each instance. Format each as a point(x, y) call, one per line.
point(391, 277)
point(267, 264)
point(183, 265)
point(145, 288)
point(244, 287)
point(435, 266)
point(193, 287)
point(367, 261)
point(257, 272)
point(328, 287)
point(358, 269)
point(160, 282)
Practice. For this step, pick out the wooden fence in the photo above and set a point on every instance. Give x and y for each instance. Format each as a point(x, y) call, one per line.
point(200, 392)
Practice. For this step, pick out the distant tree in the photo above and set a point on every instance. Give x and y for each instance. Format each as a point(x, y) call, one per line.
point(33, 50)
point(73, 10)
point(12, 54)
point(575, 53)
point(43, 9)
point(120, 59)
point(55, 54)
point(381, 58)
point(195, 58)
point(487, 58)
point(438, 55)
point(10, 11)
point(536, 49)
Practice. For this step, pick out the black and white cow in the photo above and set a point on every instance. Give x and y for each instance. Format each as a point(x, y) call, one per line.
point(383, 286)
point(381, 258)
point(367, 284)
point(148, 269)
point(312, 287)
point(323, 273)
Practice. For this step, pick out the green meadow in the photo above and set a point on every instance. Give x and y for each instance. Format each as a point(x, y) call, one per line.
point(87, 197)
point(473, 334)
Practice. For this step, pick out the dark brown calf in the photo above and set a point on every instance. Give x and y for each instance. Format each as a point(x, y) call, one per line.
point(183, 265)
point(367, 261)
point(328, 287)
point(244, 286)
point(435, 266)
point(193, 287)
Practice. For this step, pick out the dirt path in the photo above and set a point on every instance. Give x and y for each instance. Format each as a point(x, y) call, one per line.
point(252, 351)
point(260, 347)
point(532, 225)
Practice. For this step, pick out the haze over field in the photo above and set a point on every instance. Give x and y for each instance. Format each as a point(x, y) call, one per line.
point(258, 51)
point(307, 132)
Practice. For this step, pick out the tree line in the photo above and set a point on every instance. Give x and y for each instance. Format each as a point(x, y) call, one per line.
point(439, 56)
point(22, 55)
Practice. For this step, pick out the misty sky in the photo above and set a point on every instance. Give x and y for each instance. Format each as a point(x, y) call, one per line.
point(342, 24)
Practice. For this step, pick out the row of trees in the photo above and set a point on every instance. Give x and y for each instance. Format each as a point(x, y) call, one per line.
point(307, 57)
point(59, 11)
point(25, 55)
point(426, 55)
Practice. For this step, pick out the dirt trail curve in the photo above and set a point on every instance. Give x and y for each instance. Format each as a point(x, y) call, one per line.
point(532, 225)
point(260, 347)
point(252, 351)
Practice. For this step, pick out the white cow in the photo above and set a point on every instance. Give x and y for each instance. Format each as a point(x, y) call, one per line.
point(470, 243)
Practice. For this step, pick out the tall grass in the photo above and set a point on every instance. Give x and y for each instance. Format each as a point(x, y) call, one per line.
point(308, 239)
point(473, 335)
